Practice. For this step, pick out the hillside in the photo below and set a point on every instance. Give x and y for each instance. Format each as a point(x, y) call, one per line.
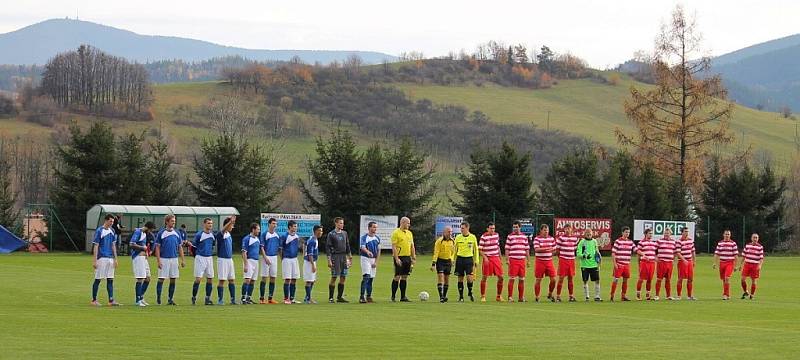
point(36, 43)
point(593, 110)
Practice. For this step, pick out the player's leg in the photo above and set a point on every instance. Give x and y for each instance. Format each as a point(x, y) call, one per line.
point(340, 286)
point(559, 286)
point(595, 275)
point(446, 284)
point(171, 292)
point(753, 285)
point(262, 288)
point(440, 285)
point(551, 286)
point(332, 286)
point(470, 281)
point(659, 276)
point(614, 282)
point(195, 286)
point(585, 278)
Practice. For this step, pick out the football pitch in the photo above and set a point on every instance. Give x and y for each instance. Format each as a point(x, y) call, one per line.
point(45, 312)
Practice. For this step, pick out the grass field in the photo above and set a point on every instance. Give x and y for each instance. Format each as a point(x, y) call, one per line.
point(46, 314)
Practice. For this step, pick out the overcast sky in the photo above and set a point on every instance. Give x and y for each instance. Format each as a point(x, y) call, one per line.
point(604, 33)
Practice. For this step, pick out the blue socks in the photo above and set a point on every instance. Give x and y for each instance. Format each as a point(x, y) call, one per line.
point(110, 288)
point(285, 290)
point(95, 288)
point(308, 293)
point(263, 289)
point(292, 290)
point(159, 289)
point(195, 287)
point(145, 284)
point(232, 290)
point(171, 290)
point(364, 284)
point(220, 292)
point(208, 290)
point(138, 291)
point(250, 288)
point(271, 289)
point(369, 287)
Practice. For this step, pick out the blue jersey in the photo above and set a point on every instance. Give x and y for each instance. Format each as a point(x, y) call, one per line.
point(224, 245)
point(182, 234)
point(312, 249)
point(372, 243)
point(203, 243)
point(105, 239)
point(168, 241)
point(290, 245)
point(252, 245)
point(271, 242)
point(138, 237)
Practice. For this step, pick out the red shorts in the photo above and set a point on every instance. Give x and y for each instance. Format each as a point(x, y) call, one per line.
point(725, 269)
point(622, 271)
point(492, 266)
point(646, 270)
point(516, 268)
point(751, 270)
point(665, 270)
point(685, 269)
point(544, 268)
point(566, 267)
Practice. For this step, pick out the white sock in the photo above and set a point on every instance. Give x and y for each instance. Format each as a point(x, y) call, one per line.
point(597, 289)
point(586, 290)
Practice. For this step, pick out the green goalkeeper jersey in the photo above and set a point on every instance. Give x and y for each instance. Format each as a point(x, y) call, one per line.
point(588, 253)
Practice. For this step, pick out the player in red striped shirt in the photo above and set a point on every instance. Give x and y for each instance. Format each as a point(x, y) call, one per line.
point(667, 249)
point(518, 254)
point(647, 263)
point(566, 246)
point(543, 247)
point(686, 264)
point(621, 258)
point(725, 257)
point(489, 246)
point(753, 258)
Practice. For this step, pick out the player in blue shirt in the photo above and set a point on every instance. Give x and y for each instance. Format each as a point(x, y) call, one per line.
point(168, 248)
point(225, 269)
point(290, 247)
point(370, 246)
point(141, 268)
point(310, 256)
point(270, 243)
point(251, 247)
point(203, 243)
point(104, 259)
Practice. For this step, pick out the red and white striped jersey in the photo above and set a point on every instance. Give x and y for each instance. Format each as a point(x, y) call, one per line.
point(667, 249)
point(490, 244)
point(566, 246)
point(648, 249)
point(541, 243)
point(687, 248)
point(753, 253)
point(726, 250)
point(517, 246)
point(622, 251)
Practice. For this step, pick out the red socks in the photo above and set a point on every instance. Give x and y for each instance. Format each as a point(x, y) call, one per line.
point(624, 289)
point(613, 289)
point(510, 288)
point(571, 287)
point(537, 287)
point(680, 287)
point(483, 288)
point(551, 287)
point(689, 288)
point(521, 289)
point(499, 286)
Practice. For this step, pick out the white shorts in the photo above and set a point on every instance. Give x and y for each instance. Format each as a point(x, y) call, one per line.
point(203, 267)
point(366, 267)
point(252, 269)
point(308, 275)
point(225, 269)
point(270, 270)
point(105, 268)
point(141, 268)
point(169, 269)
point(291, 268)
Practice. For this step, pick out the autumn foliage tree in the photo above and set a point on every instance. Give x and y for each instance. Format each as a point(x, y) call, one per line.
point(678, 120)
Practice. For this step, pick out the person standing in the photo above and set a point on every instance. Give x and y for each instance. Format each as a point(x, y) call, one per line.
point(686, 264)
point(370, 247)
point(646, 249)
point(621, 259)
point(589, 255)
point(290, 248)
point(666, 250)
point(168, 249)
point(203, 244)
point(339, 259)
point(404, 255)
point(225, 269)
point(104, 259)
point(489, 247)
point(270, 243)
point(753, 259)
point(310, 256)
point(467, 260)
point(251, 249)
point(566, 245)
point(141, 268)
point(725, 256)
point(444, 252)
point(543, 247)
point(518, 253)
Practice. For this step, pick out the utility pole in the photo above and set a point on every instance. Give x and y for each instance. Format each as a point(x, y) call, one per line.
point(548, 120)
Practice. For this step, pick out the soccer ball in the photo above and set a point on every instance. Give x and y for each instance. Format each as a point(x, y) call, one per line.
point(423, 296)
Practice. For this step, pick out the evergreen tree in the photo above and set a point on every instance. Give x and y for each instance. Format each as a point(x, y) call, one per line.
point(134, 184)
point(572, 186)
point(410, 191)
point(652, 198)
point(9, 216)
point(166, 187)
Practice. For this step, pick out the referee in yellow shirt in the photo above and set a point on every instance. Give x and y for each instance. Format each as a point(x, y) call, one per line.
point(467, 260)
point(444, 251)
point(405, 255)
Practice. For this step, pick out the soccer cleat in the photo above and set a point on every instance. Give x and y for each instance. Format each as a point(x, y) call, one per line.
point(262, 301)
point(94, 303)
point(656, 298)
point(725, 298)
point(598, 299)
point(471, 298)
point(677, 298)
point(295, 301)
point(626, 299)
point(144, 302)
point(745, 295)
point(441, 300)
point(670, 298)
point(586, 299)
point(552, 299)
point(446, 299)
point(572, 299)
point(751, 297)
point(331, 301)
point(692, 298)
point(305, 301)
point(611, 299)
point(114, 303)
point(558, 299)
point(312, 301)
point(233, 302)
point(220, 302)
point(140, 304)
point(369, 299)
point(287, 302)
point(342, 300)
point(158, 301)
point(483, 298)
point(461, 299)
point(271, 301)
point(209, 302)
point(361, 300)
point(170, 302)
point(392, 299)
point(537, 299)
point(194, 301)
point(638, 297)
point(511, 299)
point(498, 299)
point(405, 299)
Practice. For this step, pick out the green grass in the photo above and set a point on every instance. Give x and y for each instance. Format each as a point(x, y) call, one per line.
point(594, 110)
point(45, 312)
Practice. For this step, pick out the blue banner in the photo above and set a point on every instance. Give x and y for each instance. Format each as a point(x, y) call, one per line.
point(305, 223)
point(8, 241)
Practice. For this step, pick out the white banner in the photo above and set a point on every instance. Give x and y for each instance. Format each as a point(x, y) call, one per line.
point(658, 227)
point(386, 225)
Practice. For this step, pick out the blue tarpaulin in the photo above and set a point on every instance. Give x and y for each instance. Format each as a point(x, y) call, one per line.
point(8, 241)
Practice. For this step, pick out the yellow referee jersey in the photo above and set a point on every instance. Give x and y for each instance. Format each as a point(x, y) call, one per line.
point(467, 246)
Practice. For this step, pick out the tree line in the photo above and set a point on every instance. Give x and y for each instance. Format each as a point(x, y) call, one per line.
point(90, 80)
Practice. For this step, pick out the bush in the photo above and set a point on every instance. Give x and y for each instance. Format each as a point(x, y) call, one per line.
point(7, 106)
point(43, 111)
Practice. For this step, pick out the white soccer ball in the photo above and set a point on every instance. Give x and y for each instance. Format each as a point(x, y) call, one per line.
point(423, 296)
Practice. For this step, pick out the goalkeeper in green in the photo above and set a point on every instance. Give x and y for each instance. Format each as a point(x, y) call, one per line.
point(589, 255)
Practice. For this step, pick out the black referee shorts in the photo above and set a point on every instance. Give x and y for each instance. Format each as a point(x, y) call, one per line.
point(464, 266)
point(443, 266)
point(405, 266)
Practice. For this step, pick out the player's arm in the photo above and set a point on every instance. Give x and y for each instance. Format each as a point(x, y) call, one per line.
point(362, 243)
point(180, 252)
point(158, 254)
point(114, 251)
point(436, 252)
point(348, 249)
point(378, 253)
point(94, 255)
point(413, 253)
point(475, 256)
point(244, 256)
point(329, 249)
